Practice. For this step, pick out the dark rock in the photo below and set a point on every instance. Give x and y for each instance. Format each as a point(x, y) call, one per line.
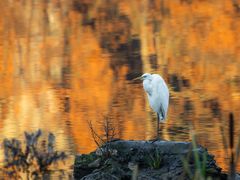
point(153, 160)
point(81, 165)
point(95, 164)
point(100, 176)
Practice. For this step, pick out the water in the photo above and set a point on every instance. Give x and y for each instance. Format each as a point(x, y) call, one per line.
point(64, 63)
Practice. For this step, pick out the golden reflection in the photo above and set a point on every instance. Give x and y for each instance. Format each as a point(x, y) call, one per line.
point(63, 63)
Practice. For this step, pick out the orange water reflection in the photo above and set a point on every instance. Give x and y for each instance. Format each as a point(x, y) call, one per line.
point(63, 63)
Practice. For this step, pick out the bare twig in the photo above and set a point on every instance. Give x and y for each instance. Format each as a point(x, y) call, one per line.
point(108, 135)
point(95, 136)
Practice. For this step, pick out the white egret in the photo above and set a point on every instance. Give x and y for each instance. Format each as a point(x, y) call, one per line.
point(158, 95)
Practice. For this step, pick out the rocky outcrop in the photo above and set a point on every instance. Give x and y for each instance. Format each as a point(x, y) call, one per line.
point(147, 160)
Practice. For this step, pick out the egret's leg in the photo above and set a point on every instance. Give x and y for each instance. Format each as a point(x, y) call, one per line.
point(158, 126)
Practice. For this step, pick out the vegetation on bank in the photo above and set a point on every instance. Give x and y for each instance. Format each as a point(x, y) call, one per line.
point(31, 159)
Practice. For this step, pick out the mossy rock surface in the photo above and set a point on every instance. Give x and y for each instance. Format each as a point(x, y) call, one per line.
point(153, 160)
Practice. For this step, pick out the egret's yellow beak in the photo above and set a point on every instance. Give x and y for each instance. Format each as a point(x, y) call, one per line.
point(137, 78)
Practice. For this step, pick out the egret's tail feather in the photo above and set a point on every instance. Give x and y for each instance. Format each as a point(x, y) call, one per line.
point(162, 115)
point(161, 118)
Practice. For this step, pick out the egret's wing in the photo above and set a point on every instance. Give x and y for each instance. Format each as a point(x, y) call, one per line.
point(161, 93)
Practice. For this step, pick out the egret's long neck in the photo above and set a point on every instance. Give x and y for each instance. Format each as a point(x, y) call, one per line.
point(147, 86)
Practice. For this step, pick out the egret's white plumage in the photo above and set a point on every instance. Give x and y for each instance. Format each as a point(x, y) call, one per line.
point(158, 94)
